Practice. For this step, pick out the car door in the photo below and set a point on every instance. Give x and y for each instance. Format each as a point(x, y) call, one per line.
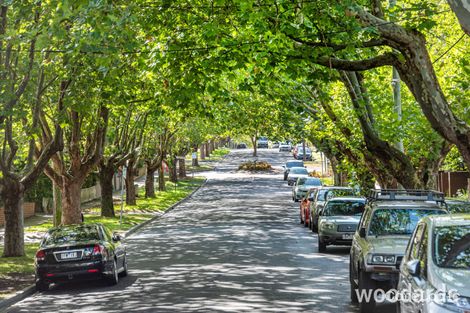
point(417, 251)
point(358, 244)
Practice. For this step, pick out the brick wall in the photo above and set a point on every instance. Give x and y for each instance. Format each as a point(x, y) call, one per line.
point(28, 211)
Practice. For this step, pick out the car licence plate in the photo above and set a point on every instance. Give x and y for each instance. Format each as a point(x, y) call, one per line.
point(68, 255)
point(347, 236)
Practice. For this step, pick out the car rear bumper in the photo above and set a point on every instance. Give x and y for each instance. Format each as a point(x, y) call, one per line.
point(73, 271)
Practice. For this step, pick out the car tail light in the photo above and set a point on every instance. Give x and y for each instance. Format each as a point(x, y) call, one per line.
point(99, 250)
point(93, 270)
point(40, 255)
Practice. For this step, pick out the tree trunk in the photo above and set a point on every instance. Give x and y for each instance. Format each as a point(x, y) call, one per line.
point(208, 152)
point(203, 152)
point(182, 167)
point(71, 192)
point(106, 183)
point(130, 188)
point(161, 179)
point(255, 148)
point(150, 183)
point(172, 170)
point(57, 205)
point(14, 228)
point(195, 162)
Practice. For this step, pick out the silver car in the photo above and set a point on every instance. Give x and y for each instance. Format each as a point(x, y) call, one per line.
point(296, 172)
point(338, 221)
point(380, 241)
point(299, 190)
point(437, 265)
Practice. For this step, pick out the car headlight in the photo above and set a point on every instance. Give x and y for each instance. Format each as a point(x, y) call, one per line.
point(382, 259)
point(453, 302)
point(329, 225)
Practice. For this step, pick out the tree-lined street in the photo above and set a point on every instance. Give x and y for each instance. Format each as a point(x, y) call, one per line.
point(235, 246)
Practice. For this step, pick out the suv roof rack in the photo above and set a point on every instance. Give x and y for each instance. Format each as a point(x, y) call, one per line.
point(405, 195)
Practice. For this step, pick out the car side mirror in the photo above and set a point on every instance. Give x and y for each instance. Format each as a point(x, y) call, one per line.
point(362, 232)
point(413, 267)
point(116, 237)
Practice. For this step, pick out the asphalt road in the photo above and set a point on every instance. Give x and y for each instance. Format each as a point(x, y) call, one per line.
point(235, 246)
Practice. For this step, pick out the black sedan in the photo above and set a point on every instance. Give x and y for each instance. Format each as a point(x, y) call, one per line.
point(76, 252)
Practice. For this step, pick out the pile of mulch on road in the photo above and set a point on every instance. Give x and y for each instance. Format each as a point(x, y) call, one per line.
point(12, 282)
point(253, 166)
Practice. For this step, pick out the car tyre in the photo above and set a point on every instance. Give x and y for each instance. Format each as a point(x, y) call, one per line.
point(321, 245)
point(353, 286)
point(366, 283)
point(124, 268)
point(42, 285)
point(310, 223)
point(397, 307)
point(305, 222)
point(113, 279)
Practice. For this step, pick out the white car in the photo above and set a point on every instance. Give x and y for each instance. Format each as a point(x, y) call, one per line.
point(437, 265)
point(285, 146)
point(294, 173)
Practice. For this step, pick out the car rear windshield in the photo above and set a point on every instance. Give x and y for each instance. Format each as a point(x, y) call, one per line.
point(310, 181)
point(294, 164)
point(299, 171)
point(386, 222)
point(72, 234)
point(339, 208)
point(452, 246)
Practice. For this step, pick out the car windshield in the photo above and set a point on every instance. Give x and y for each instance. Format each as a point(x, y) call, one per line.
point(452, 246)
point(326, 194)
point(72, 234)
point(294, 164)
point(309, 181)
point(335, 208)
point(299, 170)
point(386, 222)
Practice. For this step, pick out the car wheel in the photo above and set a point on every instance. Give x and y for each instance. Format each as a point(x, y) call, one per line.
point(310, 224)
point(397, 307)
point(366, 284)
point(321, 245)
point(306, 222)
point(352, 285)
point(124, 267)
point(42, 286)
point(113, 279)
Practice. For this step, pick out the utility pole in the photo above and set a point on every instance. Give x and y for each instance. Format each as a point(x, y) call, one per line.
point(396, 84)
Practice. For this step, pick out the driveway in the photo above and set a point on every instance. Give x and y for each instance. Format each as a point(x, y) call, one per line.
point(235, 246)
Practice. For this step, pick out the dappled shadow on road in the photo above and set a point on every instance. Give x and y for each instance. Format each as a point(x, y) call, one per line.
point(235, 247)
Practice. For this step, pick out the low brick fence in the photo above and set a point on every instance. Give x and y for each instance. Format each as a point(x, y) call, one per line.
point(28, 211)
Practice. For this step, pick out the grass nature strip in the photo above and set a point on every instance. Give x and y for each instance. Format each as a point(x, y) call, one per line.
point(18, 272)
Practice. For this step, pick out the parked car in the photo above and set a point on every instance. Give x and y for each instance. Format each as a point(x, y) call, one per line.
point(291, 164)
point(303, 184)
point(76, 252)
point(458, 206)
point(241, 145)
point(323, 194)
point(296, 172)
point(275, 145)
point(338, 221)
point(300, 154)
point(305, 206)
point(378, 246)
point(437, 257)
point(285, 146)
point(262, 142)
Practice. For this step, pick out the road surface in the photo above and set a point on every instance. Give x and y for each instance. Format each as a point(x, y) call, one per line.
point(235, 246)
